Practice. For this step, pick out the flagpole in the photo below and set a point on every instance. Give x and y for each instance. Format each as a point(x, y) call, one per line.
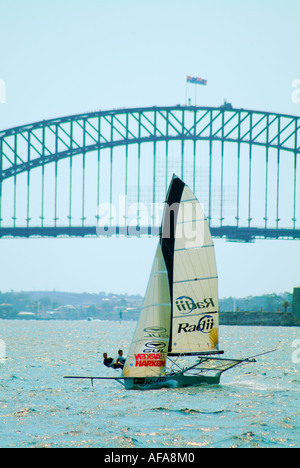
point(195, 81)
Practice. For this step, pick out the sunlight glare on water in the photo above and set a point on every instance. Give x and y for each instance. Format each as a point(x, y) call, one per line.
point(256, 405)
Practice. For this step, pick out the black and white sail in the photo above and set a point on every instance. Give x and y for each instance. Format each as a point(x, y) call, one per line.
point(189, 254)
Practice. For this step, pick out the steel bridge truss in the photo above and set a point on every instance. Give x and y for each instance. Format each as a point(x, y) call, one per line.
point(241, 163)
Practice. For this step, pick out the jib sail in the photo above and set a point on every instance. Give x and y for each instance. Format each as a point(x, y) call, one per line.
point(148, 352)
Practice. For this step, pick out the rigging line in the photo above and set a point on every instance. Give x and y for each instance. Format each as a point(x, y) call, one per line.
point(261, 354)
point(175, 363)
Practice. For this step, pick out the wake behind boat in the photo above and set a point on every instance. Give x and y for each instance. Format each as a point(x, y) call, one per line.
point(179, 320)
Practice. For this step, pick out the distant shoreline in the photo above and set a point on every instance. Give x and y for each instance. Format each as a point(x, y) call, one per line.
point(266, 310)
point(228, 318)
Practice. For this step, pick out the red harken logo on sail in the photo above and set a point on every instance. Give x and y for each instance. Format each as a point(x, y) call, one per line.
point(150, 360)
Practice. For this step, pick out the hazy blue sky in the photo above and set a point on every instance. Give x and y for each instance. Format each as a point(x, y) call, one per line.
point(68, 56)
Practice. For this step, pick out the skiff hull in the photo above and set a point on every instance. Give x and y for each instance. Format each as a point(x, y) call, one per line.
point(170, 381)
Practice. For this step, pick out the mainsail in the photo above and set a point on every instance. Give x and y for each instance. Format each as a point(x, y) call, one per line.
point(188, 250)
point(180, 311)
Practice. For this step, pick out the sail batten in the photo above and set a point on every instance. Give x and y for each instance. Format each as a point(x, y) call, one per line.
point(192, 248)
point(157, 305)
point(195, 279)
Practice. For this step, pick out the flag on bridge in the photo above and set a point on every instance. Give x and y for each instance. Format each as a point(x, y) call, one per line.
point(196, 80)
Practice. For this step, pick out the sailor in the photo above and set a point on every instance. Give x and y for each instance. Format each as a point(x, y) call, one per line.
point(120, 359)
point(110, 362)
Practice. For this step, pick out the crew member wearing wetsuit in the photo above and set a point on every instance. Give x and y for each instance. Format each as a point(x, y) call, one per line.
point(109, 362)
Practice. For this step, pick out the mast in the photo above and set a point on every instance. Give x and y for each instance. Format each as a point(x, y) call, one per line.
point(167, 235)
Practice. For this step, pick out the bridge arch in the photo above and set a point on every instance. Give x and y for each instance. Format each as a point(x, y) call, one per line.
point(195, 142)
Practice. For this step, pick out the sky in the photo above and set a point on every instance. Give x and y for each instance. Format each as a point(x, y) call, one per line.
point(66, 57)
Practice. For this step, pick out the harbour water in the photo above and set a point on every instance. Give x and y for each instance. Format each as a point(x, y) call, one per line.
point(256, 405)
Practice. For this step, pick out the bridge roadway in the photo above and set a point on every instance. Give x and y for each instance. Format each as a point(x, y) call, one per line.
point(242, 234)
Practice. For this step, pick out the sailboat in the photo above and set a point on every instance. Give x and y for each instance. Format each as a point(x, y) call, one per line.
point(180, 314)
point(179, 321)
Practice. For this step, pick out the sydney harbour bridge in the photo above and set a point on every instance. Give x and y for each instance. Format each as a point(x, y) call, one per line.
point(106, 173)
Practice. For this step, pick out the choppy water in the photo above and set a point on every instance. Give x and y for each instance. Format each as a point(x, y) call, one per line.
point(255, 405)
